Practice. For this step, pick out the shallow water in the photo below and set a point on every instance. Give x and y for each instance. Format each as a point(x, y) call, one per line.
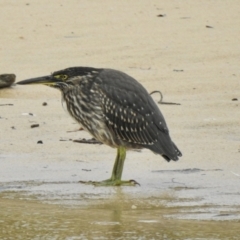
point(25, 217)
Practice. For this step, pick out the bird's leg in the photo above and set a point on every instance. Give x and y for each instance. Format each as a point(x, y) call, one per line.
point(115, 179)
point(118, 164)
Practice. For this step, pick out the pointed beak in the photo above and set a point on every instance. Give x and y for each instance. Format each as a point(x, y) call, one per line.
point(46, 80)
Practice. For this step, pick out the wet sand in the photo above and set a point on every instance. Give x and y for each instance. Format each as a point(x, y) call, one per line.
point(109, 220)
point(190, 53)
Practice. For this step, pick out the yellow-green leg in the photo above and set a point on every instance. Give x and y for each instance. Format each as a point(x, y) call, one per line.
point(115, 179)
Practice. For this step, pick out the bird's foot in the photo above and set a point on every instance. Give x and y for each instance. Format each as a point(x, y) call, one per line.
point(110, 182)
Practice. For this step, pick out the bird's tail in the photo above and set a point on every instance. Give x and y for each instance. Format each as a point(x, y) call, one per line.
point(168, 151)
point(174, 155)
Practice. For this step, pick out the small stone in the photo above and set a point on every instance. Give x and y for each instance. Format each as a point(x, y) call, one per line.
point(161, 15)
point(134, 207)
point(40, 142)
point(34, 125)
point(63, 139)
point(44, 104)
point(234, 99)
point(86, 170)
point(178, 70)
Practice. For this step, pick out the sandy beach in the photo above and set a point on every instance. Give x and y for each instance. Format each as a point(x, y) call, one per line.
point(189, 50)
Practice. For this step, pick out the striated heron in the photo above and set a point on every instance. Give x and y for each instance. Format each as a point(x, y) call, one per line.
point(115, 109)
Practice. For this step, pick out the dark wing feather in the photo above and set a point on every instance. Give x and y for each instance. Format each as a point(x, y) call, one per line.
point(133, 116)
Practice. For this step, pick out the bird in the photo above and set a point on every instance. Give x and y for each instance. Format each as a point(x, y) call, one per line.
point(116, 110)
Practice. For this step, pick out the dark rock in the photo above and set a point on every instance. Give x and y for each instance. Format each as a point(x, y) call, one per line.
point(6, 80)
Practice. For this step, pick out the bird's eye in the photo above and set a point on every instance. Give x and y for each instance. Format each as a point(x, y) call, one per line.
point(62, 77)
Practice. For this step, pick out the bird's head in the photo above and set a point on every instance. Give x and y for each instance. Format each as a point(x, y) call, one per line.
point(62, 78)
